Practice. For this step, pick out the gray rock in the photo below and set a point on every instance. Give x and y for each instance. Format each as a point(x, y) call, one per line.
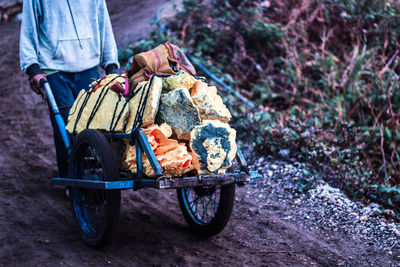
point(284, 153)
point(178, 111)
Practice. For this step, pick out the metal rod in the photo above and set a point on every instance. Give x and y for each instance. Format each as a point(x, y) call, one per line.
point(241, 160)
point(139, 160)
point(161, 183)
point(144, 144)
point(203, 180)
point(92, 184)
point(158, 19)
point(59, 119)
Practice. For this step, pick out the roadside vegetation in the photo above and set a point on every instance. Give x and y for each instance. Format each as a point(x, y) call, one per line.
point(324, 77)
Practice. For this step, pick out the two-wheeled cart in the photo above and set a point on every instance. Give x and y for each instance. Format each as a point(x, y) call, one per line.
point(95, 183)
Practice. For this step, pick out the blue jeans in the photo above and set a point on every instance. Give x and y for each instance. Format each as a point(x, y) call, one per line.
point(66, 87)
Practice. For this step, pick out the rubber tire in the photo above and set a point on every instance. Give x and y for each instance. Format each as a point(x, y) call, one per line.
point(221, 218)
point(100, 144)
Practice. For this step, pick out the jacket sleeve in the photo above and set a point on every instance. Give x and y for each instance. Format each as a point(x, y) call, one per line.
point(109, 51)
point(28, 44)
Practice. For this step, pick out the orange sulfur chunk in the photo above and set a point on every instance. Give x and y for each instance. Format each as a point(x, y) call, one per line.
point(176, 162)
point(172, 156)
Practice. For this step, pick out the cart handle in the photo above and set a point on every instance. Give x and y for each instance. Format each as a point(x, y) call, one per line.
point(56, 113)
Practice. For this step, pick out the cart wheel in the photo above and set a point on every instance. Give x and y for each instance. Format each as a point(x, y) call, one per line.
point(96, 211)
point(207, 209)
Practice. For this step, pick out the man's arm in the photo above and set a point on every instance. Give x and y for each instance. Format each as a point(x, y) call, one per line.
point(28, 44)
point(109, 51)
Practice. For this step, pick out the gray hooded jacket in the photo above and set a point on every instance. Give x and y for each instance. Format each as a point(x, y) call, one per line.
point(66, 35)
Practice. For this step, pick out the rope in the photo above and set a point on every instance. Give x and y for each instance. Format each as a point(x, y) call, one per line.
point(100, 100)
point(113, 116)
point(112, 127)
point(112, 124)
point(87, 95)
point(141, 108)
point(137, 123)
point(76, 106)
point(78, 117)
point(127, 99)
point(115, 119)
point(97, 104)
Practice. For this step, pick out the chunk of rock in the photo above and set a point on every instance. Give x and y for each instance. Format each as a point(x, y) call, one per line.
point(178, 110)
point(209, 103)
point(172, 156)
point(213, 146)
point(176, 162)
point(180, 80)
point(103, 119)
point(154, 85)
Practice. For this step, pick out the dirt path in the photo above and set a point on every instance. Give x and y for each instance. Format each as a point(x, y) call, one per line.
point(36, 221)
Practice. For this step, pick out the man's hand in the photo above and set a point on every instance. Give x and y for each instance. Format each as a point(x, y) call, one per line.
point(35, 75)
point(35, 85)
point(111, 69)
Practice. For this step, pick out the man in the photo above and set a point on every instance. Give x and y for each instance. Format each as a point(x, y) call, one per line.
point(64, 41)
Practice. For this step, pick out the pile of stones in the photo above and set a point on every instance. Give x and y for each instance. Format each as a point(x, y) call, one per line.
point(184, 119)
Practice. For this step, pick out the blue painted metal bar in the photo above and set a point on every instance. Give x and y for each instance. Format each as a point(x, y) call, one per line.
point(92, 184)
point(161, 183)
point(139, 160)
point(240, 157)
point(158, 19)
point(144, 144)
point(56, 113)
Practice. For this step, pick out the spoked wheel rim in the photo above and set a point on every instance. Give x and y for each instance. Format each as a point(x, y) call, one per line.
point(202, 203)
point(89, 204)
point(96, 210)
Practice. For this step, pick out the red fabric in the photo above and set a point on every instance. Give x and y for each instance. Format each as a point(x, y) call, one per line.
point(126, 91)
point(181, 58)
point(158, 59)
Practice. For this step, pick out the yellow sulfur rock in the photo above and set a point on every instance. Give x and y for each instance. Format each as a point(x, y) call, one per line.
point(180, 80)
point(213, 147)
point(172, 156)
point(103, 118)
point(73, 113)
point(209, 103)
point(152, 103)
